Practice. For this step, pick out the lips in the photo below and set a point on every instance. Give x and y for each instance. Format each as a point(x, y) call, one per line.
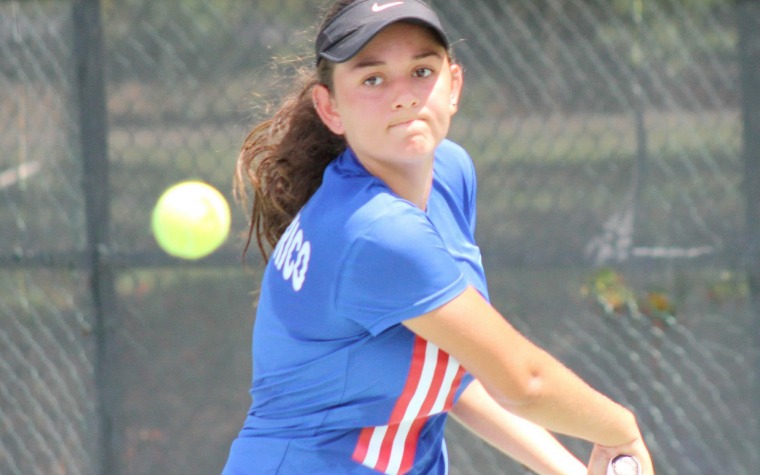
point(405, 122)
point(401, 124)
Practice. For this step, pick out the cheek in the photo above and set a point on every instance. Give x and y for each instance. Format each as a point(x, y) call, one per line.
point(349, 106)
point(360, 114)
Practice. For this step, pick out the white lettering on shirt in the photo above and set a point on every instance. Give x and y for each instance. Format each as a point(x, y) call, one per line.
point(292, 255)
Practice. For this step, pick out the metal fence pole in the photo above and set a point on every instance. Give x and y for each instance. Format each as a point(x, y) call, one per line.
point(93, 130)
point(748, 13)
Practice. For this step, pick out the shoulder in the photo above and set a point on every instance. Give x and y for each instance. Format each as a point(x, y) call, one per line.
point(452, 162)
point(452, 153)
point(397, 267)
point(360, 214)
point(390, 222)
point(448, 146)
point(455, 177)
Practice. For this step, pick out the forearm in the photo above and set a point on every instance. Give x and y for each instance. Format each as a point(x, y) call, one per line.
point(518, 438)
point(560, 401)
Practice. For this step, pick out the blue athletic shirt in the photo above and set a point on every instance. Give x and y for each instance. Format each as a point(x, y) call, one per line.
point(340, 386)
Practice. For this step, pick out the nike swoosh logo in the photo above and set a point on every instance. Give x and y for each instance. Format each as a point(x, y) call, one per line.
point(378, 8)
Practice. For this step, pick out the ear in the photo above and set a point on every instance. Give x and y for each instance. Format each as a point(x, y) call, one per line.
point(457, 80)
point(324, 104)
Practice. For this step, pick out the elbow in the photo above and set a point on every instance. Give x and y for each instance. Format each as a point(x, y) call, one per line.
point(519, 391)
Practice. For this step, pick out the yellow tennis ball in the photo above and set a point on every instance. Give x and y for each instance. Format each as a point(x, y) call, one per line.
point(191, 220)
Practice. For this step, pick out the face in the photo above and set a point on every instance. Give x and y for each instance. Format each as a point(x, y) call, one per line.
point(394, 100)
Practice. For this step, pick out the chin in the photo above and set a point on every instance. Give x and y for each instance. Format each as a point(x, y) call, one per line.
point(420, 145)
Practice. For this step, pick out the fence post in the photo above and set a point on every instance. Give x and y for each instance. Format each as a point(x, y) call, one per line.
point(748, 16)
point(93, 132)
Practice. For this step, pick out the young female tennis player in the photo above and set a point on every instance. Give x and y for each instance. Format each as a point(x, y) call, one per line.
point(373, 320)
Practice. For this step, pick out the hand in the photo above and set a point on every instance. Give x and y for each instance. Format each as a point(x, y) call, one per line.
point(601, 456)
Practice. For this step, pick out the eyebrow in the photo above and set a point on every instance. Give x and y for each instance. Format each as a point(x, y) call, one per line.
point(369, 62)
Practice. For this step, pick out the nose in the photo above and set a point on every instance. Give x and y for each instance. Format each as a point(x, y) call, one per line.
point(405, 101)
point(405, 98)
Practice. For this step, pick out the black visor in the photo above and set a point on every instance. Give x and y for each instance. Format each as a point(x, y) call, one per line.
point(359, 22)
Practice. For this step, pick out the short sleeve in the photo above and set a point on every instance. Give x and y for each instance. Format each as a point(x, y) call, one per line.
point(397, 269)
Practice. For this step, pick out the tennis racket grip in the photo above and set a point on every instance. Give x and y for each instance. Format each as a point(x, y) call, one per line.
point(624, 465)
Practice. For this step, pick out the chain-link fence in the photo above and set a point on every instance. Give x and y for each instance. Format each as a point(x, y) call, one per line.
point(612, 164)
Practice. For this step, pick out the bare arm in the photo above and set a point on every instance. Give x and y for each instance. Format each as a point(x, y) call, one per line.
point(523, 378)
point(529, 444)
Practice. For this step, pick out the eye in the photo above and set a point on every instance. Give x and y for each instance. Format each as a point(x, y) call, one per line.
point(373, 81)
point(423, 72)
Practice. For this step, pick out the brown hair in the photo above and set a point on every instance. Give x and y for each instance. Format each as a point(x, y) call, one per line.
point(283, 158)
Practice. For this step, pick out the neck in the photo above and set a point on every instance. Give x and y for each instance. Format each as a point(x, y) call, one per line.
point(411, 182)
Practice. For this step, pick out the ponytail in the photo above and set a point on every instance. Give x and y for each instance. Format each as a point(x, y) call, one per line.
point(283, 159)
